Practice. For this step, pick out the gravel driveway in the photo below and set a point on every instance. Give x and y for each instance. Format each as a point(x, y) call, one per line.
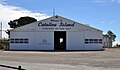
point(108, 59)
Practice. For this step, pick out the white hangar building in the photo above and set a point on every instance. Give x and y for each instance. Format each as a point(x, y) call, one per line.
point(56, 33)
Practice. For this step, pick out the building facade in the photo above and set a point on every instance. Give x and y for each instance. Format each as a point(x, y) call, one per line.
point(56, 33)
point(107, 42)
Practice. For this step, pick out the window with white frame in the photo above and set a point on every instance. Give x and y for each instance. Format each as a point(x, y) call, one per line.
point(91, 41)
point(19, 40)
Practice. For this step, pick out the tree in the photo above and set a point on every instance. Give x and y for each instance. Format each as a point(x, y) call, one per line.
point(4, 44)
point(21, 21)
point(111, 37)
point(8, 32)
point(13, 24)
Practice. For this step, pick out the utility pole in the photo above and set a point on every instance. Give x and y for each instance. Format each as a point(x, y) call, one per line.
point(1, 32)
point(53, 11)
point(1, 35)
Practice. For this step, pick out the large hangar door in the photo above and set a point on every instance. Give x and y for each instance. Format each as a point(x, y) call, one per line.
point(60, 40)
point(75, 40)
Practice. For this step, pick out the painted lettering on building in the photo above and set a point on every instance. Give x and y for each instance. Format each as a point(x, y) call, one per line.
point(61, 24)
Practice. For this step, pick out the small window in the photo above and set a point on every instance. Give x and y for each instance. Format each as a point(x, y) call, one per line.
point(25, 40)
point(86, 42)
point(100, 39)
point(100, 42)
point(61, 40)
point(86, 39)
point(95, 39)
point(91, 42)
point(96, 42)
point(11, 40)
point(90, 39)
point(21, 40)
point(16, 40)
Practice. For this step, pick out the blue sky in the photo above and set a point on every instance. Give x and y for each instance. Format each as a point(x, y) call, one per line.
point(101, 14)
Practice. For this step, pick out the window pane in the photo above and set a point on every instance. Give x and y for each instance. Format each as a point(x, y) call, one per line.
point(25, 40)
point(11, 40)
point(16, 40)
point(100, 39)
point(86, 42)
point(95, 42)
point(100, 42)
point(86, 39)
point(91, 42)
point(21, 40)
point(95, 39)
point(90, 39)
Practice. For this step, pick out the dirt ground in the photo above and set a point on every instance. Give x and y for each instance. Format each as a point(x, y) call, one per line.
point(109, 58)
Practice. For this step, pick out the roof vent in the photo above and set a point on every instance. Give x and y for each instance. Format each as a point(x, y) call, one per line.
point(56, 16)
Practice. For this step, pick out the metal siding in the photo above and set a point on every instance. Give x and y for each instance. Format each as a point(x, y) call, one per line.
point(93, 47)
point(44, 40)
point(75, 40)
point(21, 46)
point(93, 34)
